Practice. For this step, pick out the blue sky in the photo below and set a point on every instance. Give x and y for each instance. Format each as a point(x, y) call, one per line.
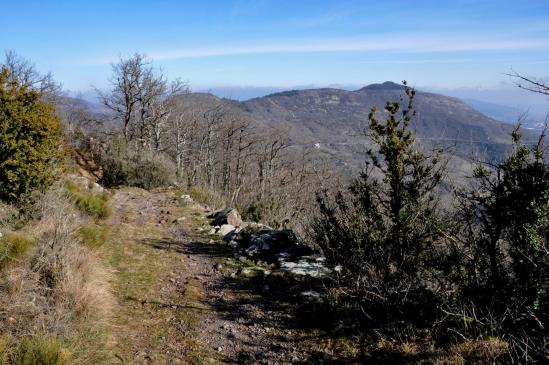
point(438, 44)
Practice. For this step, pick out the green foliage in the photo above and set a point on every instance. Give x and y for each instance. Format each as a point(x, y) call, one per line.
point(505, 256)
point(12, 246)
point(31, 140)
point(93, 236)
point(41, 350)
point(404, 270)
point(384, 229)
point(269, 211)
point(95, 205)
point(144, 169)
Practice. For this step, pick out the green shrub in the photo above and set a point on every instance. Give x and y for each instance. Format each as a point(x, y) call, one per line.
point(41, 350)
point(383, 233)
point(504, 268)
point(31, 141)
point(93, 236)
point(12, 246)
point(152, 170)
point(143, 169)
point(95, 205)
point(253, 212)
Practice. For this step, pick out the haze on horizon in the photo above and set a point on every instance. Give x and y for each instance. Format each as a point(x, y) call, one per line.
point(462, 48)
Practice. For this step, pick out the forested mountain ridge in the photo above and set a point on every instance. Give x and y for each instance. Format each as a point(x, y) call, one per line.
point(335, 121)
point(333, 116)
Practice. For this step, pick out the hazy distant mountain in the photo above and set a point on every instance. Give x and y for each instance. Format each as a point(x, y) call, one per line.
point(496, 111)
point(240, 93)
point(332, 122)
point(536, 105)
point(505, 113)
point(243, 93)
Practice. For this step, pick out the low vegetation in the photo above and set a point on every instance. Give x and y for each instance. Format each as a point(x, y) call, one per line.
point(122, 166)
point(93, 236)
point(71, 301)
point(210, 198)
point(41, 350)
point(12, 246)
point(87, 201)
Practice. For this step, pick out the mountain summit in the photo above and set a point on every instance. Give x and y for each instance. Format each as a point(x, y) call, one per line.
point(387, 85)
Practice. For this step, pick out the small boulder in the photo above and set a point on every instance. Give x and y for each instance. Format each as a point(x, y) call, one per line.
point(245, 272)
point(305, 267)
point(226, 229)
point(226, 216)
point(311, 295)
point(186, 198)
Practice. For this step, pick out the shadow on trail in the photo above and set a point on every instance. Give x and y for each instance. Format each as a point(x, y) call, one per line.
point(160, 304)
point(259, 303)
point(264, 302)
point(187, 248)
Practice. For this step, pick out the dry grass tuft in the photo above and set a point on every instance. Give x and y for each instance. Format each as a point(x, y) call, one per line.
point(61, 290)
point(41, 350)
point(404, 349)
point(4, 350)
point(480, 351)
point(12, 246)
point(8, 215)
point(209, 198)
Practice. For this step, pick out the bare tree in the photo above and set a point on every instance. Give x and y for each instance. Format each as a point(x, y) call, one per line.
point(267, 159)
point(244, 145)
point(140, 100)
point(536, 85)
point(123, 98)
point(27, 75)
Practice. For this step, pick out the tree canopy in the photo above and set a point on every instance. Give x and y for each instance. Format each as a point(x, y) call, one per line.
point(31, 139)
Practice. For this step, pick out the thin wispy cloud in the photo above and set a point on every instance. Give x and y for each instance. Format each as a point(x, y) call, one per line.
point(410, 45)
point(405, 45)
point(421, 61)
point(312, 22)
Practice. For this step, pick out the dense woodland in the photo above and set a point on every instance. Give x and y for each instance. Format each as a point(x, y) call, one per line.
point(425, 268)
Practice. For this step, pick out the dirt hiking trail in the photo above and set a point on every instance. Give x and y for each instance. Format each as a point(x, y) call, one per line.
point(181, 299)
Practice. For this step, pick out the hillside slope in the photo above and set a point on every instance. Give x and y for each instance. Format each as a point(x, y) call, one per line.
point(336, 119)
